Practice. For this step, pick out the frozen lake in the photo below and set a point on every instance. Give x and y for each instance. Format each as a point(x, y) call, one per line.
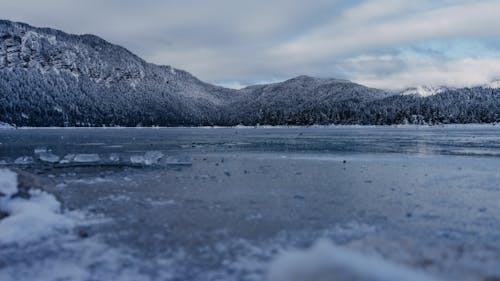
point(277, 204)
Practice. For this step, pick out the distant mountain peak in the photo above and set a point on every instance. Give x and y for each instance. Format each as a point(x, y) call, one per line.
point(423, 91)
point(495, 84)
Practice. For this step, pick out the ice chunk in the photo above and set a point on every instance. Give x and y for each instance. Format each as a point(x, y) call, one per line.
point(41, 149)
point(87, 158)
point(24, 160)
point(149, 158)
point(48, 157)
point(152, 157)
point(114, 157)
point(137, 159)
point(68, 158)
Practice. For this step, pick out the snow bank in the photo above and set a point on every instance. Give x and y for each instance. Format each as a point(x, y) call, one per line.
point(29, 220)
point(4, 125)
point(325, 261)
point(38, 242)
point(8, 182)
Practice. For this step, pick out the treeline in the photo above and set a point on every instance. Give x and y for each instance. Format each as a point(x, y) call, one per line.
point(462, 106)
point(28, 98)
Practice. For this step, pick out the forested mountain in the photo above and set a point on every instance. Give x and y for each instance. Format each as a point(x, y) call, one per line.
point(50, 78)
point(300, 101)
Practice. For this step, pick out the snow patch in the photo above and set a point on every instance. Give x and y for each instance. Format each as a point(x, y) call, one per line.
point(325, 261)
point(423, 91)
point(8, 182)
point(33, 219)
point(29, 220)
point(4, 125)
point(39, 242)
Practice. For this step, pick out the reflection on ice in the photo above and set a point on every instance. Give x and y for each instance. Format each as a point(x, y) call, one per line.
point(179, 161)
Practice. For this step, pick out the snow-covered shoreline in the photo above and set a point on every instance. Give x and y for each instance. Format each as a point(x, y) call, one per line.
point(36, 211)
point(471, 125)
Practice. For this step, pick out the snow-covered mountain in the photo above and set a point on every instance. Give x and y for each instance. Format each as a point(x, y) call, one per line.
point(301, 100)
point(423, 91)
point(50, 78)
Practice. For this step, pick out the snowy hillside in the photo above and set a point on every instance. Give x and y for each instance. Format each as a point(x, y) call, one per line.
point(302, 100)
point(48, 77)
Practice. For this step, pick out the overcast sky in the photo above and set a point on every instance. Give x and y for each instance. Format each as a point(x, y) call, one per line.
point(379, 43)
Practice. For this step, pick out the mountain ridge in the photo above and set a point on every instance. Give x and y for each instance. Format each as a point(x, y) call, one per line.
point(51, 78)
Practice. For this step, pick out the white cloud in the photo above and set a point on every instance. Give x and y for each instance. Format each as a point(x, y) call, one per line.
point(474, 20)
point(243, 41)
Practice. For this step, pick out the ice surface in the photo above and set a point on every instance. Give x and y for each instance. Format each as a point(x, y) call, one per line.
point(24, 160)
point(325, 261)
point(86, 158)
point(181, 161)
point(285, 181)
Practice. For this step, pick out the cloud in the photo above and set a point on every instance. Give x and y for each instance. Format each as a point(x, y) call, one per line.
point(434, 72)
point(381, 42)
